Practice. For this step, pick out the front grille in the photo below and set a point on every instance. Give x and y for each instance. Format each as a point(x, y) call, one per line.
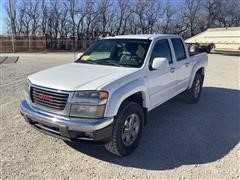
point(50, 99)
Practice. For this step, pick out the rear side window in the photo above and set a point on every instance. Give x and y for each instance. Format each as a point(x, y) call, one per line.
point(179, 49)
point(161, 49)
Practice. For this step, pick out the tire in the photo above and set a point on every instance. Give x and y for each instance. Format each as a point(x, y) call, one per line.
point(118, 143)
point(193, 94)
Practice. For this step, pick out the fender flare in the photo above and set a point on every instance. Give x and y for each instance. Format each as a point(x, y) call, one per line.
point(119, 95)
point(195, 69)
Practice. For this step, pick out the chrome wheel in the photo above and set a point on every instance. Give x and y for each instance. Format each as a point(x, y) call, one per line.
point(197, 88)
point(130, 129)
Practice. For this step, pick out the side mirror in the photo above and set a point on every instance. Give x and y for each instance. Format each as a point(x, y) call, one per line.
point(79, 55)
point(160, 63)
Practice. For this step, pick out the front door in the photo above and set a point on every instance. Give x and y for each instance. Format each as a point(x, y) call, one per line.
point(162, 83)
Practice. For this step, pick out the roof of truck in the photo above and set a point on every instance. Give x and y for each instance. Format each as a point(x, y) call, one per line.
point(141, 36)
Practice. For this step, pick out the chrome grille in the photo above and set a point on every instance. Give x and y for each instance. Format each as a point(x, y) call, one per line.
point(50, 99)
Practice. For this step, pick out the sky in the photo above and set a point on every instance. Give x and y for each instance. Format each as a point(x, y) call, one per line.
point(2, 16)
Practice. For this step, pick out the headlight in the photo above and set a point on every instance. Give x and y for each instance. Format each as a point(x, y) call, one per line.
point(27, 87)
point(88, 104)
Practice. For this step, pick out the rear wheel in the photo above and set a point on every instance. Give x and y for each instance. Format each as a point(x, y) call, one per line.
point(127, 129)
point(193, 94)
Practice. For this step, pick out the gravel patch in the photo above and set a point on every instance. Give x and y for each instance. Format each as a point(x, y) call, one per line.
point(181, 141)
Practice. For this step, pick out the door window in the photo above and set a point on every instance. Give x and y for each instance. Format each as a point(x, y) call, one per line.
point(161, 49)
point(179, 49)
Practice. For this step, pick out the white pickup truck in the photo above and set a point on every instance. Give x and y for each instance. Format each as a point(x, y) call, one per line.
point(106, 94)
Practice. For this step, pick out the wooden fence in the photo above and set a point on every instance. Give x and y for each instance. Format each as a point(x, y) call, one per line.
point(42, 44)
point(22, 44)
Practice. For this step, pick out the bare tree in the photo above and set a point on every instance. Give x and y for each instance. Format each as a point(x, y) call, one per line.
point(233, 13)
point(20, 19)
point(63, 21)
point(140, 12)
point(190, 15)
point(34, 15)
point(167, 23)
point(148, 14)
point(154, 12)
point(84, 21)
point(210, 12)
point(72, 12)
point(125, 11)
point(12, 13)
point(44, 15)
point(91, 15)
point(104, 10)
point(26, 18)
point(228, 13)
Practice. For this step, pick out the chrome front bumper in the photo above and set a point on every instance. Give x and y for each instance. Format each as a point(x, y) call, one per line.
point(66, 127)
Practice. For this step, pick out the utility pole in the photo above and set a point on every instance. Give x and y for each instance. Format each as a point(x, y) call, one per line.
point(10, 11)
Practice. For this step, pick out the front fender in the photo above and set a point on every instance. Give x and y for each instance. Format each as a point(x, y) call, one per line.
point(194, 71)
point(123, 92)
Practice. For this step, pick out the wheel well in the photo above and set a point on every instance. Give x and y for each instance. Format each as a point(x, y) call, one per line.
point(201, 72)
point(138, 98)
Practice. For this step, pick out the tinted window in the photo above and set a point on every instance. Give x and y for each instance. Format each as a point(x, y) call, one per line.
point(161, 49)
point(179, 49)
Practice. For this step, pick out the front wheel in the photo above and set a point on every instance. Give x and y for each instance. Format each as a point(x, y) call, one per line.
point(193, 94)
point(127, 129)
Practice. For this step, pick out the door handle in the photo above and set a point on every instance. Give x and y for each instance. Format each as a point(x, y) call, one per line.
point(172, 70)
point(187, 64)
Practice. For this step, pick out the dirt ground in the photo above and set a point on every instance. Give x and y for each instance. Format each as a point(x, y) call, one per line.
point(181, 141)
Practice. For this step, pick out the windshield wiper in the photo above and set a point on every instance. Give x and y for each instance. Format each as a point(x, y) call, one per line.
point(89, 61)
point(102, 62)
point(108, 62)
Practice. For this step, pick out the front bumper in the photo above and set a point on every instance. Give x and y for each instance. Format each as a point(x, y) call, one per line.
point(67, 128)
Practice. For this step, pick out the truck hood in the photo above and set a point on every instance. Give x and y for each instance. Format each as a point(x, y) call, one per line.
point(79, 76)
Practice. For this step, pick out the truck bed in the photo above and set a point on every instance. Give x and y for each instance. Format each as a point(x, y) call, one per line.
point(194, 53)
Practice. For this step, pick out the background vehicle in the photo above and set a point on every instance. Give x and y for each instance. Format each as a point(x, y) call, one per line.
point(106, 94)
point(220, 39)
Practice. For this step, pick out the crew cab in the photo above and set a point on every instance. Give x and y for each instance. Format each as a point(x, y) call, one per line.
point(106, 94)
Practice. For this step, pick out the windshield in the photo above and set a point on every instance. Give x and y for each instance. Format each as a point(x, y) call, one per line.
point(117, 52)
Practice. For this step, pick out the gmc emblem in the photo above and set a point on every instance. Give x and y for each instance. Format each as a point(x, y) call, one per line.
point(45, 97)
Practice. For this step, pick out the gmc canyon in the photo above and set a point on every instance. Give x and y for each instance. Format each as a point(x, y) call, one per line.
point(106, 94)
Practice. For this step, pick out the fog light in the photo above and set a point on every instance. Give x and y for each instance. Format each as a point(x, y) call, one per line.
point(88, 134)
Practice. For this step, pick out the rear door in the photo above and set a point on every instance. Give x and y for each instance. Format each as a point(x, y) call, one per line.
point(162, 83)
point(182, 64)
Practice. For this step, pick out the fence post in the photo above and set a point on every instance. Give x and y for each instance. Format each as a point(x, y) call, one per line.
point(45, 44)
point(29, 43)
point(10, 9)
